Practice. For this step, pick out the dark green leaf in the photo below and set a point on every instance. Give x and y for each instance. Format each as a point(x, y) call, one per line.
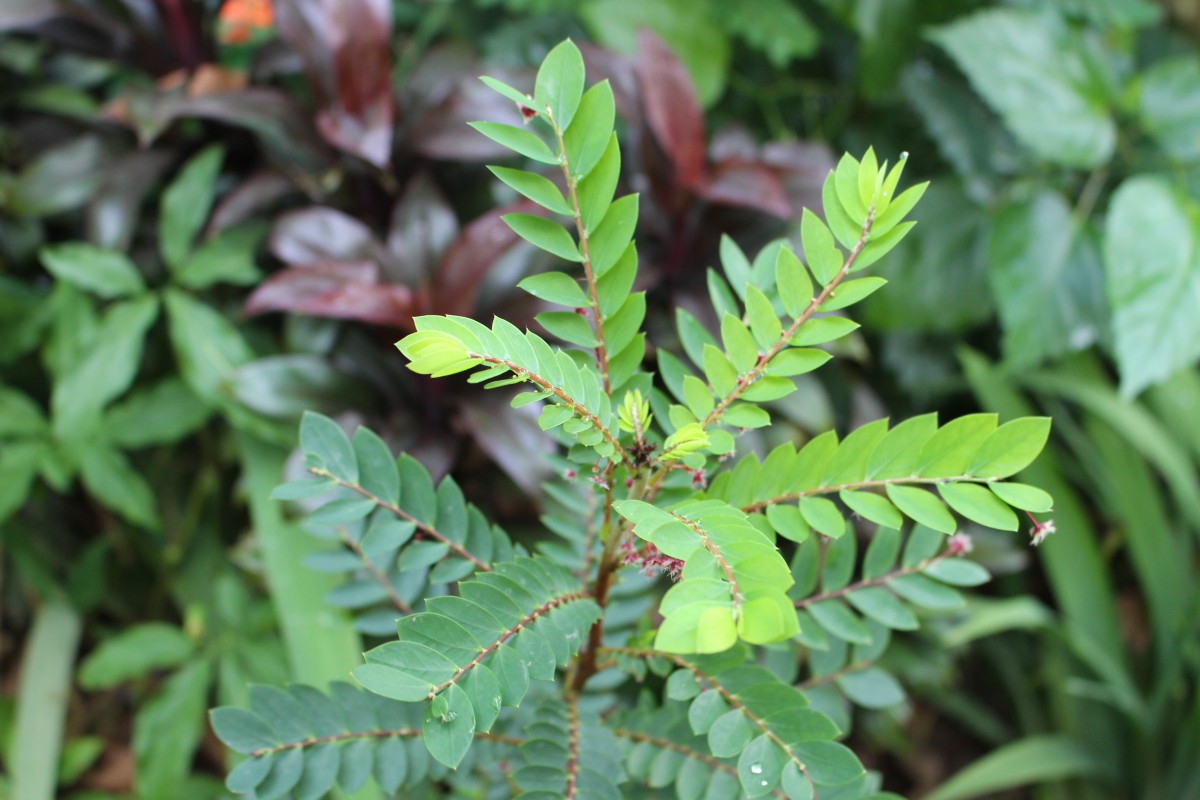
point(559, 84)
point(185, 205)
point(133, 653)
point(587, 139)
point(107, 273)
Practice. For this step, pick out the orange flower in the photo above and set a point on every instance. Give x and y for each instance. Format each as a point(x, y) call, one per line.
point(240, 18)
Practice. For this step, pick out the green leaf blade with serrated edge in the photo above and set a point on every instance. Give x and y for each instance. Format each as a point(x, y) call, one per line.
point(544, 234)
point(555, 287)
point(535, 187)
point(519, 140)
point(559, 83)
point(1010, 448)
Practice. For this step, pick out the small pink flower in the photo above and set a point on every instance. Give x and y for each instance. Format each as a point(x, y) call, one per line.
point(1040, 531)
point(959, 544)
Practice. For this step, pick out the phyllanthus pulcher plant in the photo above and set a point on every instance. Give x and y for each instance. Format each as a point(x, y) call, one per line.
point(701, 622)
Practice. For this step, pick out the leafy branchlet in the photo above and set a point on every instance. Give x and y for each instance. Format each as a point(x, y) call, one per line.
point(669, 488)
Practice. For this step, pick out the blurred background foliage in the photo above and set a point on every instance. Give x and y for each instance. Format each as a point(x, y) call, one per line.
point(214, 216)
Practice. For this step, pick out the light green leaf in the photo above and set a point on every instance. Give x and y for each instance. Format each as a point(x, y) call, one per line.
point(922, 506)
point(107, 273)
point(545, 234)
point(535, 187)
point(822, 330)
point(1010, 448)
point(823, 515)
point(519, 140)
point(739, 345)
point(326, 445)
point(958, 572)
point(1023, 496)
point(823, 257)
point(226, 258)
point(796, 361)
point(559, 84)
point(978, 504)
point(791, 278)
point(568, 326)
point(208, 347)
point(897, 453)
point(873, 507)
point(952, 449)
point(850, 292)
point(871, 688)
point(721, 374)
point(763, 323)
point(595, 192)
point(555, 287)
point(587, 140)
point(159, 414)
point(1168, 106)
point(1030, 68)
point(608, 243)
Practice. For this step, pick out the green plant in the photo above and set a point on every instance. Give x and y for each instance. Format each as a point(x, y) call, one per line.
point(705, 699)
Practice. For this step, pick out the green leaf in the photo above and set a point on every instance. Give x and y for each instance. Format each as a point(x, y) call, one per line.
point(823, 257)
point(1033, 71)
point(849, 463)
point(1153, 279)
point(168, 729)
point(873, 507)
point(535, 187)
point(978, 504)
point(829, 763)
point(207, 345)
point(133, 653)
point(739, 345)
point(568, 326)
point(185, 205)
point(545, 234)
point(586, 141)
point(871, 688)
point(555, 287)
point(559, 84)
point(1168, 107)
point(746, 415)
point(608, 243)
point(105, 370)
point(241, 730)
point(822, 330)
point(922, 506)
point(1032, 760)
point(897, 453)
point(112, 480)
point(794, 361)
point(882, 606)
point(503, 89)
point(764, 324)
point(791, 278)
point(760, 767)
point(952, 449)
point(729, 734)
point(595, 192)
point(106, 273)
point(1010, 448)
point(448, 734)
point(721, 374)
point(519, 140)
point(1047, 279)
point(837, 618)
point(376, 465)
point(158, 414)
point(226, 258)
point(958, 572)
point(1023, 496)
point(326, 445)
point(850, 292)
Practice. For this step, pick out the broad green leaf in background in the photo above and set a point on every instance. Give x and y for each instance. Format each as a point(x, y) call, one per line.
point(1169, 106)
point(692, 29)
point(110, 477)
point(1028, 66)
point(1047, 279)
point(185, 205)
point(134, 652)
point(107, 273)
point(207, 345)
point(1036, 759)
point(1153, 281)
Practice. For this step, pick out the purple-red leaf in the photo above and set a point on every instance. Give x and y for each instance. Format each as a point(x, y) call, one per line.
point(319, 234)
point(423, 225)
point(472, 254)
point(671, 109)
point(346, 47)
point(746, 184)
point(345, 290)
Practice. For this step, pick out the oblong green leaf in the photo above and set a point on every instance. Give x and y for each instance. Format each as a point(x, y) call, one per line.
point(555, 287)
point(978, 504)
point(519, 140)
point(545, 234)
